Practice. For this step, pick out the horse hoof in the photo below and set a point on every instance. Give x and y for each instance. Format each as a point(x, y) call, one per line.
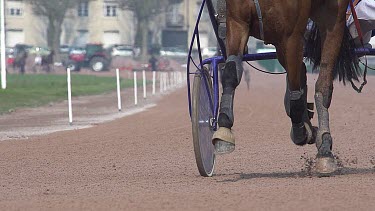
point(325, 166)
point(305, 134)
point(222, 147)
point(224, 141)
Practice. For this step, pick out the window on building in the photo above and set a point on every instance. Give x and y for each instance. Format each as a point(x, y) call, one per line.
point(174, 17)
point(15, 8)
point(110, 9)
point(15, 11)
point(83, 9)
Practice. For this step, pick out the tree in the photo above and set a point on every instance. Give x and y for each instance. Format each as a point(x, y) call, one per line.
point(54, 12)
point(144, 11)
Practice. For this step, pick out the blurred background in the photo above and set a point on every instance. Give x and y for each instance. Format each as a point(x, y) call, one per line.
point(98, 34)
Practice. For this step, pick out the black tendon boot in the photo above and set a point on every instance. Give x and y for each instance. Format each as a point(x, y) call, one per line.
point(223, 138)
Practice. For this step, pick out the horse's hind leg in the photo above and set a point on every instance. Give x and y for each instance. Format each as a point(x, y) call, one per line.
point(237, 37)
point(290, 55)
point(307, 129)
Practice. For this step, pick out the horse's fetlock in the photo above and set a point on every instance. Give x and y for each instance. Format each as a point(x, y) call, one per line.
point(324, 145)
point(225, 121)
point(299, 134)
point(226, 117)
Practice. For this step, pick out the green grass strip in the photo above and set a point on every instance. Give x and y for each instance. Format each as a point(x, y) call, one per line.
point(37, 90)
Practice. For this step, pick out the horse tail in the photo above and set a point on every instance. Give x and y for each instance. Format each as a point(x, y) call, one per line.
point(347, 64)
point(313, 47)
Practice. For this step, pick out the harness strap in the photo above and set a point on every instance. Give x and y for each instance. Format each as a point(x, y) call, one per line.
point(358, 26)
point(259, 12)
point(356, 22)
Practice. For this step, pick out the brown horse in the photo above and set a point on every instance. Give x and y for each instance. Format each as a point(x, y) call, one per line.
point(283, 24)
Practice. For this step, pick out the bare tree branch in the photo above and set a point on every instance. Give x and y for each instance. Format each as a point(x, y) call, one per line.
point(54, 11)
point(144, 11)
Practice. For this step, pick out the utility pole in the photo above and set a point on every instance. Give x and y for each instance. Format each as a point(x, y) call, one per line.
point(2, 44)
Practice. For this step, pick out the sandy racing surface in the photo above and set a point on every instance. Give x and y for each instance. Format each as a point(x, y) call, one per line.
point(87, 111)
point(146, 161)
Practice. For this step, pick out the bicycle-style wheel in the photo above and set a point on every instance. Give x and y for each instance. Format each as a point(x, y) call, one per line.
point(202, 116)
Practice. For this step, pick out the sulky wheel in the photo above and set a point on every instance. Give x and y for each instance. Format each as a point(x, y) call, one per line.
point(202, 116)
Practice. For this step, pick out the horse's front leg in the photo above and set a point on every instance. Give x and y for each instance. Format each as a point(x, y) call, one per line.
point(237, 37)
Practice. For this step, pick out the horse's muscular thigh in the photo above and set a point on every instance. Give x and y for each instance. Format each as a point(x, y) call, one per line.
point(239, 10)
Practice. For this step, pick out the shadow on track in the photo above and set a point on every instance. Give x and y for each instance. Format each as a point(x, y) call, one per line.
point(301, 174)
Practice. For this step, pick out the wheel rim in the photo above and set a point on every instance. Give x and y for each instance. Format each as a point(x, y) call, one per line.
point(98, 66)
point(205, 128)
point(202, 126)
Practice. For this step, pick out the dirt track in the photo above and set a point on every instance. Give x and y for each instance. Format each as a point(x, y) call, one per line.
point(146, 161)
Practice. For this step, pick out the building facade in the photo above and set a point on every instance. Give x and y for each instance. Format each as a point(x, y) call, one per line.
point(175, 28)
point(207, 35)
point(99, 21)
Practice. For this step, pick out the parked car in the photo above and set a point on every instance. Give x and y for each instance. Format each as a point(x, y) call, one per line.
point(121, 50)
point(77, 50)
point(173, 52)
point(38, 50)
point(64, 48)
point(93, 56)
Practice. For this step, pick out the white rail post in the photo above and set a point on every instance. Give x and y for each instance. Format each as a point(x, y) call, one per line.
point(167, 81)
point(172, 79)
point(2, 43)
point(118, 90)
point(182, 78)
point(153, 82)
point(144, 84)
point(135, 88)
point(164, 82)
point(179, 78)
point(175, 78)
point(161, 82)
point(69, 96)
